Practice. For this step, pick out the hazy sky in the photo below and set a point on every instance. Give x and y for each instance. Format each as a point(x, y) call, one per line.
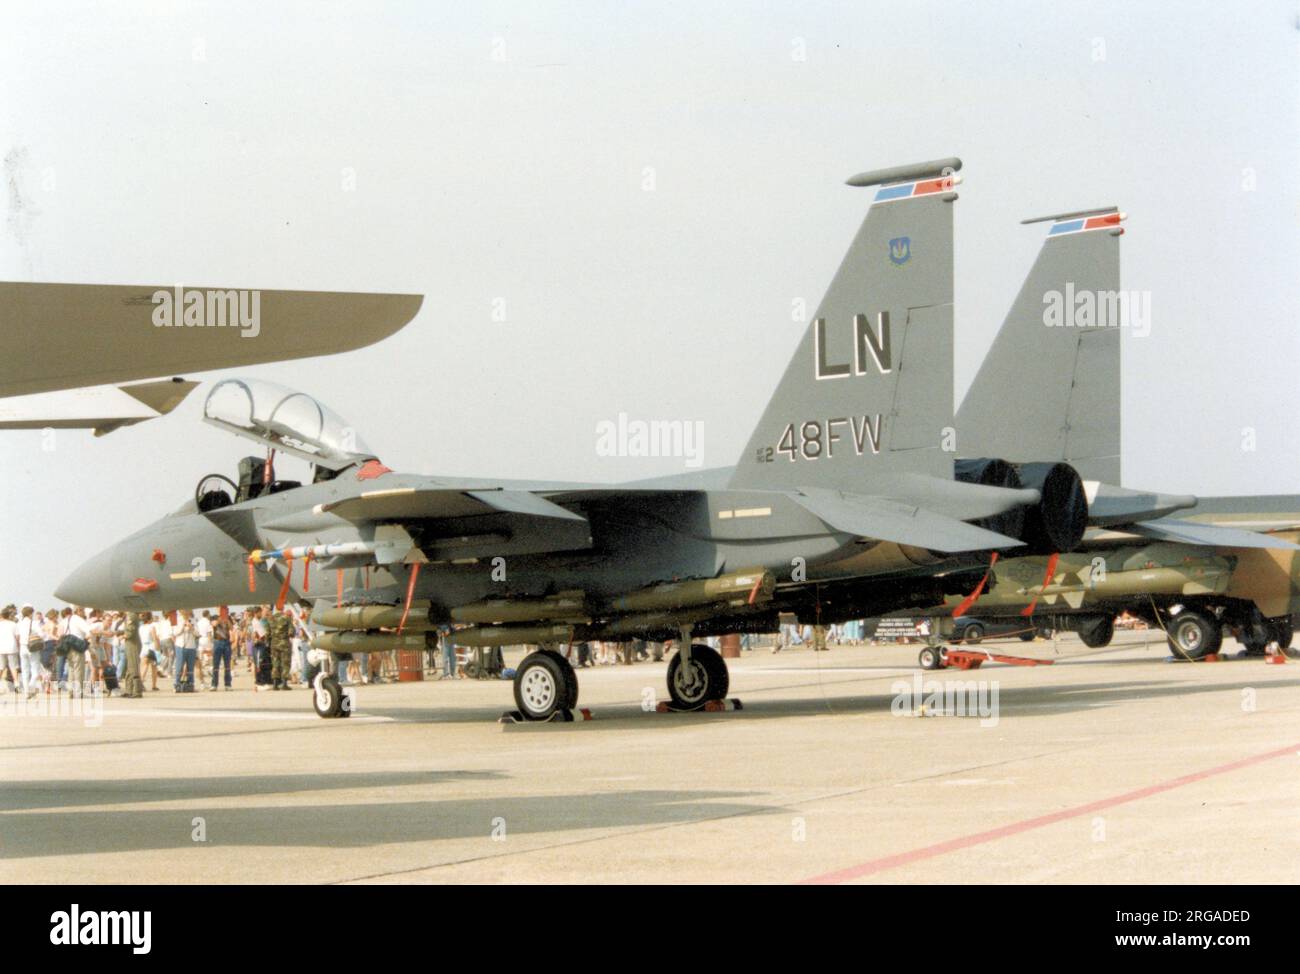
point(503, 155)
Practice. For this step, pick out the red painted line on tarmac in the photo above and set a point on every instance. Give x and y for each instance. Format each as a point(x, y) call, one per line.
point(1015, 828)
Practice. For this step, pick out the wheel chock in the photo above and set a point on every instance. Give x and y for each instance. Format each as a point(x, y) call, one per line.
point(708, 707)
point(1211, 658)
point(559, 717)
point(1276, 659)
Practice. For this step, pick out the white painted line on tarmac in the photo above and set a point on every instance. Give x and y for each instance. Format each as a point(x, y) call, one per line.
point(238, 715)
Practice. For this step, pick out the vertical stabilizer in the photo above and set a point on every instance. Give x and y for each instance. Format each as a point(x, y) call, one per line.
point(868, 393)
point(1049, 388)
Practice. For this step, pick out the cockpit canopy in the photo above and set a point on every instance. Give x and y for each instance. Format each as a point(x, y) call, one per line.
point(285, 420)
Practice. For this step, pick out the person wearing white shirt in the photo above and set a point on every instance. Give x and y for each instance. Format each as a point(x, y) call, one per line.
point(78, 643)
point(9, 647)
point(187, 651)
point(30, 661)
point(149, 654)
point(164, 631)
point(203, 626)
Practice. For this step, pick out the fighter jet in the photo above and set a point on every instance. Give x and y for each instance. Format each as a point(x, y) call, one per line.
point(72, 351)
point(1223, 563)
point(847, 477)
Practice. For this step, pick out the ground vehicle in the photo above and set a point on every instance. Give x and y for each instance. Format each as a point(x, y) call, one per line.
point(967, 629)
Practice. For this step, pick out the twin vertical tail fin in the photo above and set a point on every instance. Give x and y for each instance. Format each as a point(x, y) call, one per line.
point(1049, 388)
point(868, 394)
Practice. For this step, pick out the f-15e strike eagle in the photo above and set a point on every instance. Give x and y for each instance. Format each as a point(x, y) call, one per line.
point(844, 503)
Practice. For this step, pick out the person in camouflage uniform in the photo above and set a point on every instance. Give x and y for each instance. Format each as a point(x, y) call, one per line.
point(132, 685)
point(280, 629)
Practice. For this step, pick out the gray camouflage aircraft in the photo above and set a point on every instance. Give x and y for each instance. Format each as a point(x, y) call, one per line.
point(1056, 362)
point(845, 503)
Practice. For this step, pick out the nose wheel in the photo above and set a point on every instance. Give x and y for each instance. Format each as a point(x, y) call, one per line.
point(697, 678)
point(328, 697)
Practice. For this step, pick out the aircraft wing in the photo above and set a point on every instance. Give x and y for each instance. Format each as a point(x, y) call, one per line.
point(412, 503)
point(888, 520)
point(453, 523)
point(65, 336)
point(101, 408)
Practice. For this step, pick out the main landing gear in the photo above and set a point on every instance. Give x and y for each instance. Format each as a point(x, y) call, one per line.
point(1193, 635)
point(696, 675)
point(546, 687)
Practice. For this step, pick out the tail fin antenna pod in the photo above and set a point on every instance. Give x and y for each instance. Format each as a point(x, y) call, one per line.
point(868, 393)
point(1055, 364)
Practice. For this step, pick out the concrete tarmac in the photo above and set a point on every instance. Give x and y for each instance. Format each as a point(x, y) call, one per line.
point(1111, 766)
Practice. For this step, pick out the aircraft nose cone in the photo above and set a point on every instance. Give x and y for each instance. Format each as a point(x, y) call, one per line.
point(91, 584)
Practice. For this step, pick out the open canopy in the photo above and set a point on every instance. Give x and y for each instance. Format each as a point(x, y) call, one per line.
point(285, 420)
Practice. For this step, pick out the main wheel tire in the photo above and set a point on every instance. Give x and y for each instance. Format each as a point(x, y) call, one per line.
point(706, 679)
point(570, 678)
point(1192, 635)
point(327, 698)
point(1027, 636)
point(541, 687)
point(972, 634)
point(1099, 633)
point(930, 658)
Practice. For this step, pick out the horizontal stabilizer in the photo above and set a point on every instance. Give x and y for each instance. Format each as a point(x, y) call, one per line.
point(953, 498)
point(1109, 505)
point(1189, 532)
point(885, 520)
point(1254, 512)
